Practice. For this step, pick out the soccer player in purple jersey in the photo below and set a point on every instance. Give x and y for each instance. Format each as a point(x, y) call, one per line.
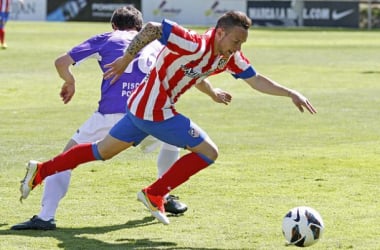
point(186, 60)
point(106, 47)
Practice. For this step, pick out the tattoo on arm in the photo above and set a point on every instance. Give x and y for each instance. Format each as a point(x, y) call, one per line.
point(149, 33)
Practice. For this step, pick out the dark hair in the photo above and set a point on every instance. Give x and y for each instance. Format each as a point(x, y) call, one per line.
point(234, 18)
point(127, 17)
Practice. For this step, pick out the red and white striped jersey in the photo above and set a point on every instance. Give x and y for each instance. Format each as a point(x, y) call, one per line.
point(5, 5)
point(186, 60)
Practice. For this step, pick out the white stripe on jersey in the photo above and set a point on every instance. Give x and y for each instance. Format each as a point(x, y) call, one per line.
point(154, 92)
point(96, 55)
point(190, 46)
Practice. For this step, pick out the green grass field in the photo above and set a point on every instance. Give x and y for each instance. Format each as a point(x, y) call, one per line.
point(272, 157)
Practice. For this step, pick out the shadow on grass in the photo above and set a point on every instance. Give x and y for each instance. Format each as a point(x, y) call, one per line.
point(370, 72)
point(72, 238)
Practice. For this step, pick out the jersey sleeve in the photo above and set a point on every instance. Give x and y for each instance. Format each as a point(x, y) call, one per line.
point(178, 39)
point(87, 49)
point(240, 67)
point(167, 27)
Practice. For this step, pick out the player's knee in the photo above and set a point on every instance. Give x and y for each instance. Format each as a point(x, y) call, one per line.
point(212, 153)
point(215, 154)
point(208, 149)
point(104, 155)
point(100, 153)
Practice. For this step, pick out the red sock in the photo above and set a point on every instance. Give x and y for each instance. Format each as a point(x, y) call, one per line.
point(2, 33)
point(180, 172)
point(70, 159)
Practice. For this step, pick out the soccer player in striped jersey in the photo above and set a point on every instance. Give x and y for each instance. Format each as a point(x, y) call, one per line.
point(187, 59)
point(5, 7)
point(104, 48)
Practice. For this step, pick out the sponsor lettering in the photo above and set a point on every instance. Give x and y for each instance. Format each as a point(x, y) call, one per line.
point(128, 88)
point(316, 14)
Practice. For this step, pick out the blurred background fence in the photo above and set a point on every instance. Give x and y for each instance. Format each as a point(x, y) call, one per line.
point(364, 14)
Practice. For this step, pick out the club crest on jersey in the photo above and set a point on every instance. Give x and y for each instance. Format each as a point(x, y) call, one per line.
point(194, 133)
point(222, 63)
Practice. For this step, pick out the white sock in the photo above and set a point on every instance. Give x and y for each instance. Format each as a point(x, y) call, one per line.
point(55, 189)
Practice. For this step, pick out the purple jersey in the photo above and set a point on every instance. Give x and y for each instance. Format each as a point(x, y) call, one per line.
point(106, 48)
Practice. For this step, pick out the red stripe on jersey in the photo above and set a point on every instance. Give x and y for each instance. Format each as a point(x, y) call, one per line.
point(184, 89)
point(178, 75)
point(159, 105)
point(168, 59)
point(145, 88)
point(133, 96)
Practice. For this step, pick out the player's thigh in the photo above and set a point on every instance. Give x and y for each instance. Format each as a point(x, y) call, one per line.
point(121, 136)
point(96, 127)
point(3, 19)
point(178, 130)
point(186, 134)
point(126, 130)
point(110, 146)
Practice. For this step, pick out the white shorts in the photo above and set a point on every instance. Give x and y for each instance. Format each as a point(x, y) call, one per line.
point(98, 126)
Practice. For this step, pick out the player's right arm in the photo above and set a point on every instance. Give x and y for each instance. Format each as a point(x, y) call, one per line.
point(62, 65)
point(148, 34)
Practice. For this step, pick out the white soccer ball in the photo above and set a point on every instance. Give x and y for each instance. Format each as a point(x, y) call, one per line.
point(302, 226)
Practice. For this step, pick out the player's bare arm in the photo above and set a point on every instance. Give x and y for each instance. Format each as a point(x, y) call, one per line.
point(148, 34)
point(218, 95)
point(62, 65)
point(265, 85)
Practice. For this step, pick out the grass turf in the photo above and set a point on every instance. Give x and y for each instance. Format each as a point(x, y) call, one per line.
point(272, 158)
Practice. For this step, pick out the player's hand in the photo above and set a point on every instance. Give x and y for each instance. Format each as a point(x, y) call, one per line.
point(302, 102)
point(67, 91)
point(117, 68)
point(222, 96)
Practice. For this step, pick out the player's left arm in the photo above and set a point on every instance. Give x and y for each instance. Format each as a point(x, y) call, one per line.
point(218, 95)
point(265, 85)
point(148, 34)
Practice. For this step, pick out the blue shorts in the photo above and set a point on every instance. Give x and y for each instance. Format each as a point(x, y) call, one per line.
point(179, 130)
point(3, 18)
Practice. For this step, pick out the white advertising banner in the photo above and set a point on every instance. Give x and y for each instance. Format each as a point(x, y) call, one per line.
point(190, 12)
point(31, 10)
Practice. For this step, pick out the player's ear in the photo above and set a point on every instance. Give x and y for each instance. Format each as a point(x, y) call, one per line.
point(114, 27)
point(219, 33)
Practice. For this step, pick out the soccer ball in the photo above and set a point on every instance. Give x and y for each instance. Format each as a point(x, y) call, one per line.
point(302, 226)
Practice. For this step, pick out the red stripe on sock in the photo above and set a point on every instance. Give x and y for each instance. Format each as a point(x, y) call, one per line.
point(180, 172)
point(70, 159)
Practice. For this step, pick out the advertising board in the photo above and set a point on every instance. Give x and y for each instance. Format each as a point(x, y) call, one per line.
point(311, 13)
point(85, 10)
point(194, 12)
